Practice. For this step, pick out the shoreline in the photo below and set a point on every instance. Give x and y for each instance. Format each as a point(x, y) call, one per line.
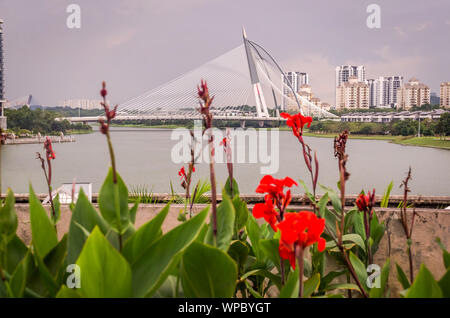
point(430, 142)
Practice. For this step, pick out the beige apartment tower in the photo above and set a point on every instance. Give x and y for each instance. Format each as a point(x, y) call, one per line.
point(445, 95)
point(352, 94)
point(412, 94)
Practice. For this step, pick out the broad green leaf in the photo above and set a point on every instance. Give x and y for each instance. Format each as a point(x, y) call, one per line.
point(20, 276)
point(84, 218)
point(239, 252)
point(66, 292)
point(42, 230)
point(163, 254)
point(208, 272)
point(264, 273)
point(240, 207)
point(323, 204)
point(355, 238)
point(254, 234)
point(445, 254)
point(228, 188)
point(113, 202)
point(169, 288)
point(270, 248)
point(424, 286)
point(345, 286)
point(328, 278)
point(49, 268)
point(311, 285)
point(385, 200)
point(134, 210)
point(334, 197)
point(55, 218)
point(444, 283)
point(376, 232)
point(384, 276)
point(225, 224)
point(8, 219)
point(104, 271)
point(360, 270)
point(145, 236)
point(401, 277)
point(15, 252)
point(290, 288)
point(358, 224)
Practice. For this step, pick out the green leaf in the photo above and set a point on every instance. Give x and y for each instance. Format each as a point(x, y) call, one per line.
point(8, 219)
point(228, 188)
point(254, 234)
point(328, 278)
point(42, 230)
point(113, 202)
point(385, 200)
point(163, 254)
point(264, 273)
point(252, 290)
point(104, 272)
point(335, 200)
point(358, 224)
point(290, 289)
point(134, 210)
point(208, 272)
point(270, 248)
point(355, 238)
point(15, 252)
point(384, 276)
point(445, 254)
point(145, 236)
point(360, 270)
point(311, 285)
point(20, 276)
point(225, 224)
point(55, 218)
point(424, 286)
point(169, 288)
point(84, 218)
point(66, 292)
point(401, 277)
point(49, 269)
point(240, 207)
point(239, 252)
point(444, 283)
point(345, 286)
point(376, 232)
point(323, 204)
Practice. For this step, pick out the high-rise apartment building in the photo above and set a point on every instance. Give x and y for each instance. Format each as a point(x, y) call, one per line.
point(373, 96)
point(445, 95)
point(296, 80)
point(344, 72)
point(352, 94)
point(412, 94)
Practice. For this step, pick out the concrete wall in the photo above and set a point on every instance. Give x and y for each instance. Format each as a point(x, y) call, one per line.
point(429, 224)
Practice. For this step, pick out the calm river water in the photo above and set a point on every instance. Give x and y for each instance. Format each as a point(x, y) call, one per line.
point(144, 158)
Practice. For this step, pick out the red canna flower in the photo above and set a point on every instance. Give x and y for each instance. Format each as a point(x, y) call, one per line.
point(362, 202)
point(203, 91)
point(267, 211)
point(103, 92)
point(223, 142)
point(49, 149)
point(297, 122)
point(301, 229)
point(274, 187)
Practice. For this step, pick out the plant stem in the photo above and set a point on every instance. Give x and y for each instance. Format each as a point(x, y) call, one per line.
point(299, 254)
point(113, 158)
point(213, 183)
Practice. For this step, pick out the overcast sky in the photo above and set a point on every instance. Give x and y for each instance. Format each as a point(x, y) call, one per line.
point(136, 45)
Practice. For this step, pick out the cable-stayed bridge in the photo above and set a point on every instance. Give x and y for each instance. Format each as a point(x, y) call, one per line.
point(247, 84)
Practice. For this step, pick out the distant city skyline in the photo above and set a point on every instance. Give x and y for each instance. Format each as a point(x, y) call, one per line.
point(137, 45)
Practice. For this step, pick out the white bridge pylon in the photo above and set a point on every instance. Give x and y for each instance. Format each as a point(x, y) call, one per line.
point(246, 82)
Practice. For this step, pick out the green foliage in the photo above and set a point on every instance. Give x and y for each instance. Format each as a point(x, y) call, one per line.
point(24, 120)
point(214, 276)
